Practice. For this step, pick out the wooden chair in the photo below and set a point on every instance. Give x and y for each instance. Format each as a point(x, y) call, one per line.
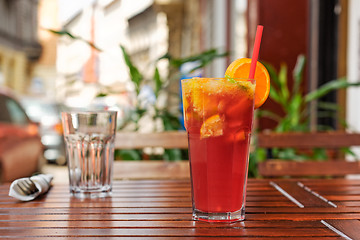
point(151, 169)
point(308, 141)
point(167, 140)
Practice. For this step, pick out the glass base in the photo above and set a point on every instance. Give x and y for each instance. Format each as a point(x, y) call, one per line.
point(90, 194)
point(219, 217)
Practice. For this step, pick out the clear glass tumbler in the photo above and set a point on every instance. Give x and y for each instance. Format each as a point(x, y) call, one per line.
point(89, 138)
point(218, 115)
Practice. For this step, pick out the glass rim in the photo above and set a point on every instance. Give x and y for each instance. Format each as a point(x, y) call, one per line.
point(216, 78)
point(88, 112)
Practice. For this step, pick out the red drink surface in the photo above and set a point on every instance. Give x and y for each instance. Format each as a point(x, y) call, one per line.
point(218, 119)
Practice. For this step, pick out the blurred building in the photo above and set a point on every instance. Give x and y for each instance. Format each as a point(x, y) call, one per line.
point(148, 30)
point(326, 32)
point(83, 70)
point(19, 44)
point(42, 83)
point(148, 39)
point(195, 26)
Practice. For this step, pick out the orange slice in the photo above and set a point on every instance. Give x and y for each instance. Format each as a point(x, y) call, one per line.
point(240, 68)
point(212, 127)
point(240, 136)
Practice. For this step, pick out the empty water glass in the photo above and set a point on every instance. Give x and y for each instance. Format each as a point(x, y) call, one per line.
point(89, 138)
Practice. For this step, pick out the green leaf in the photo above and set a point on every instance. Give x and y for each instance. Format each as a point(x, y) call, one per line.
point(101, 95)
point(283, 125)
point(328, 87)
point(268, 114)
point(326, 114)
point(203, 58)
point(328, 106)
point(343, 123)
point(129, 154)
point(172, 154)
point(135, 75)
point(298, 73)
point(66, 33)
point(324, 128)
point(294, 109)
point(283, 83)
point(291, 154)
point(348, 151)
point(274, 79)
point(63, 32)
point(158, 82)
point(276, 96)
point(288, 124)
point(170, 122)
point(319, 154)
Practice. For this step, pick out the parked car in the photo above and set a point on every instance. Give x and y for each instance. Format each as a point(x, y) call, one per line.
point(47, 113)
point(20, 147)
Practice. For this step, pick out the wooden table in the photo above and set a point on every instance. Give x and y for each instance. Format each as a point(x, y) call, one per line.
point(161, 209)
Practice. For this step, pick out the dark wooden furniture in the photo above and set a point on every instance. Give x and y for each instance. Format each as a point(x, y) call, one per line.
point(154, 169)
point(144, 169)
point(161, 209)
point(308, 141)
point(136, 140)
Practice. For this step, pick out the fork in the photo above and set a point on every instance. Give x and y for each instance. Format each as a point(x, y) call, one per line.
point(26, 186)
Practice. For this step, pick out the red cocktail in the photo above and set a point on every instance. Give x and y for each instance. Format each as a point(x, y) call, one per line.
point(218, 119)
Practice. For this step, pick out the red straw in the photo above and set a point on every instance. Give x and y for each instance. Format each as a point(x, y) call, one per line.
point(256, 49)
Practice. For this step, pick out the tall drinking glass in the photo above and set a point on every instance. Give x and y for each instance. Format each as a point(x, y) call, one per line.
point(89, 139)
point(218, 119)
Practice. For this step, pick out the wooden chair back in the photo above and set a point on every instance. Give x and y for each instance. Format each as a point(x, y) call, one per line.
point(152, 169)
point(166, 139)
point(308, 141)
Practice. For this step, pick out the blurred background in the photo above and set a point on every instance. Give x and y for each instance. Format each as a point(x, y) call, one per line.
point(61, 54)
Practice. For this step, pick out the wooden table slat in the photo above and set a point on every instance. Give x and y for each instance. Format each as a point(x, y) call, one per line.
point(301, 195)
point(169, 232)
point(349, 229)
point(161, 209)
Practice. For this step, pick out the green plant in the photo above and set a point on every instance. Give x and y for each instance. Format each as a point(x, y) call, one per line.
point(294, 104)
point(169, 119)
